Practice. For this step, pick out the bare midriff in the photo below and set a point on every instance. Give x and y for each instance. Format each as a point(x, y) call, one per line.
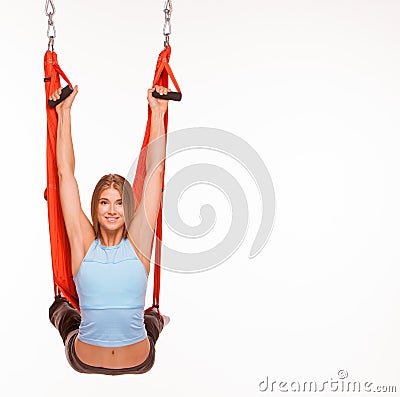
point(113, 357)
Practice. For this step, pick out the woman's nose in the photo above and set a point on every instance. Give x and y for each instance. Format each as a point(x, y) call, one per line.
point(111, 209)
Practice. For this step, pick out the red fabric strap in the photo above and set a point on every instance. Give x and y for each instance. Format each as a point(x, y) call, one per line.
point(60, 248)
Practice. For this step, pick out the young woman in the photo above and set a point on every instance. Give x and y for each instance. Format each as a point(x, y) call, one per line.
point(110, 258)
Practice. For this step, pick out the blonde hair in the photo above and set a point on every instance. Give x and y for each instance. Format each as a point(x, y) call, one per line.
point(124, 188)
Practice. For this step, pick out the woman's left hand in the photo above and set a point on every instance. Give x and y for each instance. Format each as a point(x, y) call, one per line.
point(157, 104)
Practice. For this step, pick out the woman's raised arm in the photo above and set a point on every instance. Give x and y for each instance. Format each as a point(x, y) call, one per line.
point(143, 225)
point(79, 228)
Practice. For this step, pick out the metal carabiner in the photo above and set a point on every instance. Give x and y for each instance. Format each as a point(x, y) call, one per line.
point(167, 23)
point(167, 28)
point(168, 6)
point(51, 29)
point(46, 8)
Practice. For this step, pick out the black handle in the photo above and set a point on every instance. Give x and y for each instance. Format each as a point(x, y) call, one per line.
point(65, 93)
point(171, 96)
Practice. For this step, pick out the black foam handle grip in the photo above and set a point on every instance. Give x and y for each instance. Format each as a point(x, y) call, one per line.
point(171, 96)
point(65, 93)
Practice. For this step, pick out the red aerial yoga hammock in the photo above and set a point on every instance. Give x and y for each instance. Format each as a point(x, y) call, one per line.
point(60, 247)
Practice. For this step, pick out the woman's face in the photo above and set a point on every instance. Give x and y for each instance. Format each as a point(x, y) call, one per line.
point(110, 210)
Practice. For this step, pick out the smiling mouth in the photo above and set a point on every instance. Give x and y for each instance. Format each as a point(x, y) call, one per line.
point(112, 219)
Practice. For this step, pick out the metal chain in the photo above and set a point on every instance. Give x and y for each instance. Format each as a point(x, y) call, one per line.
point(167, 23)
point(50, 10)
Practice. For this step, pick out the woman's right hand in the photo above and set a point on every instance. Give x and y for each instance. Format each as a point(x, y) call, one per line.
point(67, 102)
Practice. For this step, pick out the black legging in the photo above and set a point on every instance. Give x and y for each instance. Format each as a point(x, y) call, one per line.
point(67, 320)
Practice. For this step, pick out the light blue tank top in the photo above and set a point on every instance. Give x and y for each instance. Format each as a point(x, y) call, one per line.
point(111, 284)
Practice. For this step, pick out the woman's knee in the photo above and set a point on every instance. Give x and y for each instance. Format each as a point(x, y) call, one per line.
point(64, 317)
point(153, 324)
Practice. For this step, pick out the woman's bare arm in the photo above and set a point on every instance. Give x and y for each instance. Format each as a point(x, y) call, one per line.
point(155, 158)
point(64, 148)
point(79, 228)
point(144, 222)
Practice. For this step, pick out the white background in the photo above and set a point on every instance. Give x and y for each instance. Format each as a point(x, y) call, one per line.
point(313, 86)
